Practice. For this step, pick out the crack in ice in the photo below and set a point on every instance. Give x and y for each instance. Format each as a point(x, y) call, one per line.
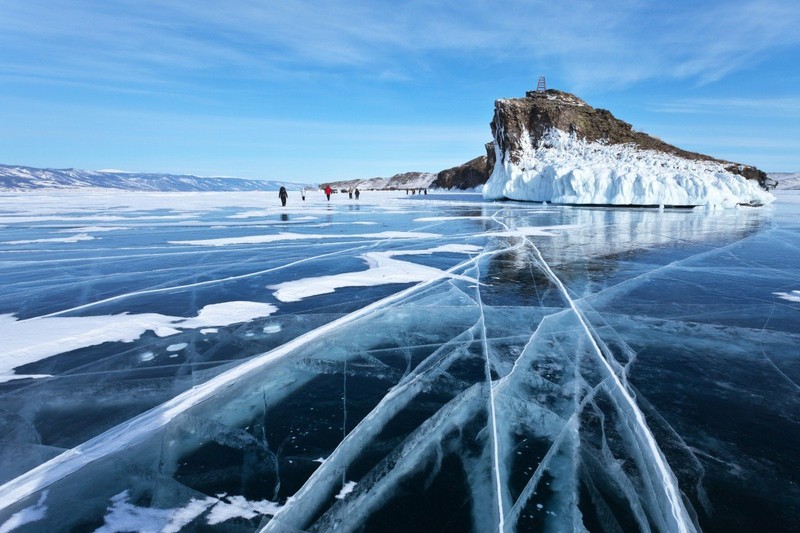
point(681, 518)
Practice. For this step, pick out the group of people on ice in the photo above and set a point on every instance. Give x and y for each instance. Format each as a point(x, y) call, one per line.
point(284, 195)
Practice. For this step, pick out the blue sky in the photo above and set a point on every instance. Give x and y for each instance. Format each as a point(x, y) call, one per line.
point(317, 90)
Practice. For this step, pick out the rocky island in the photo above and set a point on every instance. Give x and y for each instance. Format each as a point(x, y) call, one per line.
point(551, 146)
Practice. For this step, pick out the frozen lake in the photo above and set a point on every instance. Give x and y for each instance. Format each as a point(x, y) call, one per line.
point(186, 361)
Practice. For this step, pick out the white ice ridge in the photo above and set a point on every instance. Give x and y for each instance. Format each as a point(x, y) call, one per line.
point(565, 170)
point(382, 270)
point(676, 509)
point(140, 427)
point(498, 484)
point(263, 239)
point(28, 341)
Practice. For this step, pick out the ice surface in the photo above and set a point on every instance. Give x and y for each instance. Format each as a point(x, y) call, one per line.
point(565, 170)
point(471, 366)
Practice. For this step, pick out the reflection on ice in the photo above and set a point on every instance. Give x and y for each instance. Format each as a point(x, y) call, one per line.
point(518, 368)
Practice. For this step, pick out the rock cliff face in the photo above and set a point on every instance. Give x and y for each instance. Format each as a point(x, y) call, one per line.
point(469, 175)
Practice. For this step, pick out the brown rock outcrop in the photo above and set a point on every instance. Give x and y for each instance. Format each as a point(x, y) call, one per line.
point(521, 122)
point(469, 175)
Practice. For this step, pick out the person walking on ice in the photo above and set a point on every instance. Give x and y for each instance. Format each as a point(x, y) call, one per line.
point(303, 193)
point(283, 195)
point(328, 192)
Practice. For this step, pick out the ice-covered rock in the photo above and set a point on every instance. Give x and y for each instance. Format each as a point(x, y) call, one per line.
point(470, 175)
point(563, 169)
point(552, 146)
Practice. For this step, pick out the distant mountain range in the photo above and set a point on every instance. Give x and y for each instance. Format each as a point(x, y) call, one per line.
point(786, 180)
point(19, 178)
point(469, 175)
point(406, 180)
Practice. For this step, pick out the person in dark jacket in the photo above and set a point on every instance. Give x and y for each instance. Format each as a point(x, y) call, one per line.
point(283, 195)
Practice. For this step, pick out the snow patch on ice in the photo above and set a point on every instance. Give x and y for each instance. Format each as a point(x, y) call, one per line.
point(565, 170)
point(239, 506)
point(72, 238)
point(124, 516)
point(793, 296)
point(92, 229)
point(30, 514)
point(346, 489)
point(382, 270)
point(177, 347)
point(227, 313)
point(28, 341)
point(263, 239)
point(445, 248)
point(272, 328)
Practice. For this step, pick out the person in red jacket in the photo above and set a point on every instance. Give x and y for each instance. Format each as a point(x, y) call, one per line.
point(328, 192)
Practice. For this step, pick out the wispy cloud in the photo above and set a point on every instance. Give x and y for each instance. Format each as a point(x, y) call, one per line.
point(614, 43)
point(782, 107)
